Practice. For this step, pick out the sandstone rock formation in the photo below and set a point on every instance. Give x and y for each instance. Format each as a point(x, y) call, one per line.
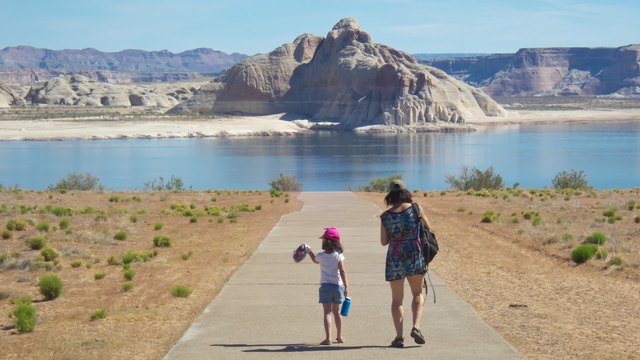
point(550, 71)
point(8, 96)
point(82, 91)
point(344, 78)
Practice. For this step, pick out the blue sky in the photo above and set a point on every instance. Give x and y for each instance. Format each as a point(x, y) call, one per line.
point(258, 26)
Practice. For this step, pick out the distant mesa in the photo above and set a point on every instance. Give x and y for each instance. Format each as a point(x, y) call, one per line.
point(550, 71)
point(344, 78)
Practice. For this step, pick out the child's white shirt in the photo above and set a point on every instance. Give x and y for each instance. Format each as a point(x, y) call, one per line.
point(329, 272)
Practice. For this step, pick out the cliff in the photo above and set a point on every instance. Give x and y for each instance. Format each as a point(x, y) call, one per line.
point(550, 71)
point(346, 78)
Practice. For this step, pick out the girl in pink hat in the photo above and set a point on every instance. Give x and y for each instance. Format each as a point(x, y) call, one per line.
point(333, 281)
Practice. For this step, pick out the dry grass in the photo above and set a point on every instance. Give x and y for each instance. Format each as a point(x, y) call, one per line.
point(142, 323)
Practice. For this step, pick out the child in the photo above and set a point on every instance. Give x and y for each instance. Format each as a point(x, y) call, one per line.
point(333, 281)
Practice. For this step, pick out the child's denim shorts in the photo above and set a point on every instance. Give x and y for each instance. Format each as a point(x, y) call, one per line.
point(331, 294)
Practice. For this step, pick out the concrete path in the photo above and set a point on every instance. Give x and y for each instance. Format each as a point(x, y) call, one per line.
point(269, 308)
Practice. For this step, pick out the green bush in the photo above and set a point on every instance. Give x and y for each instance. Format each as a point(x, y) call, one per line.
point(616, 260)
point(285, 183)
point(120, 235)
point(43, 226)
point(490, 217)
point(637, 219)
point(157, 226)
point(174, 183)
point(6, 234)
point(50, 286)
point(99, 314)
point(63, 224)
point(601, 254)
point(180, 291)
point(127, 286)
point(129, 274)
point(111, 260)
point(99, 276)
point(571, 180)
point(193, 219)
point(582, 253)
point(609, 212)
point(36, 242)
point(24, 317)
point(75, 264)
point(475, 179)
point(133, 219)
point(129, 257)
point(537, 221)
point(162, 241)
point(76, 181)
point(49, 254)
point(378, 184)
point(597, 238)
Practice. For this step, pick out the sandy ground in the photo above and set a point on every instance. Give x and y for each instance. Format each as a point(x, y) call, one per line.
point(114, 129)
point(250, 126)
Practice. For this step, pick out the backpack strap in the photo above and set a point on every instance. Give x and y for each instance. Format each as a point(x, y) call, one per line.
point(416, 208)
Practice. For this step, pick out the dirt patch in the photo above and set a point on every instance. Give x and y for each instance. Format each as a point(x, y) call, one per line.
point(521, 280)
point(146, 321)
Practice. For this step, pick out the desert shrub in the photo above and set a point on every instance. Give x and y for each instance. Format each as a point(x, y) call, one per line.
point(220, 220)
point(3, 258)
point(537, 221)
point(601, 254)
point(75, 264)
point(99, 314)
point(475, 179)
point(6, 234)
point(162, 241)
point(129, 274)
point(616, 260)
point(180, 291)
point(36, 242)
point(127, 286)
point(571, 180)
point(50, 286)
point(76, 181)
point(63, 224)
point(378, 184)
point(186, 256)
point(49, 254)
point(120, 235)
point(114, 199)
point(111, 260)
point(285, 183)
point(193, 219)
point(490, 217)
point(133, 219)
point(631, 204)
point(24, 317)
point(609, 213)
point(258, 207)
point(129, 257)
point(157, 226)
point(43, 226)
point(597, 238)
point(174, 183)
point(637, 219)
point(582, 253)
point(99, 276)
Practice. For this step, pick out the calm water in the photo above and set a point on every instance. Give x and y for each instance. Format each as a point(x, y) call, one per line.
point(529, 154)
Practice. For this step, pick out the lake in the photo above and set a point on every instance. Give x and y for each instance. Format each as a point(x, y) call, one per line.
point(531, 155)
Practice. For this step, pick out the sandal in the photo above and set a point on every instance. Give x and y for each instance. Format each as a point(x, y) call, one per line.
point(326, 342)
point(417, 336)
point(398, 342)
point(340, 341)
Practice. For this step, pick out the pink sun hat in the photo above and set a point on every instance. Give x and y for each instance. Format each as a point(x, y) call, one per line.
point(331, 234)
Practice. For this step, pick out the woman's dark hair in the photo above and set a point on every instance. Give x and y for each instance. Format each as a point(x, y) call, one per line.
point(397, 197)
point(331, 246)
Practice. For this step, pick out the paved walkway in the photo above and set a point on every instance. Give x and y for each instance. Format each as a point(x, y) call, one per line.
point(269, 308)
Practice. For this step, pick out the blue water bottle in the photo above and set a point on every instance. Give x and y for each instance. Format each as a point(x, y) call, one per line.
point(346, 304)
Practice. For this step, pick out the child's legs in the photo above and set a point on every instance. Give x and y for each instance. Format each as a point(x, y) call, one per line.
point(415, 282)
point(327, 320)
point(335, 308)
point(397, 311)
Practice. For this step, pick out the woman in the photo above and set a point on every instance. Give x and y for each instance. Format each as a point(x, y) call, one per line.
point(400, 231)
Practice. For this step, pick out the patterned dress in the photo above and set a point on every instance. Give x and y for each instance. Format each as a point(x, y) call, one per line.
point(404, 255)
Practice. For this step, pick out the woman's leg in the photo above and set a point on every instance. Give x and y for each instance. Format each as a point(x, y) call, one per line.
point(335, 308)
point(397, 311)
point(415, 282)
point(327, 321)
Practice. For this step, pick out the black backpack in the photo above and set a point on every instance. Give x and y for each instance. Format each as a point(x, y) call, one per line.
point(429, 248)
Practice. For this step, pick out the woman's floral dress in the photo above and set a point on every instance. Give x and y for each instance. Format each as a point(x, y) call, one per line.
point(404, 255)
